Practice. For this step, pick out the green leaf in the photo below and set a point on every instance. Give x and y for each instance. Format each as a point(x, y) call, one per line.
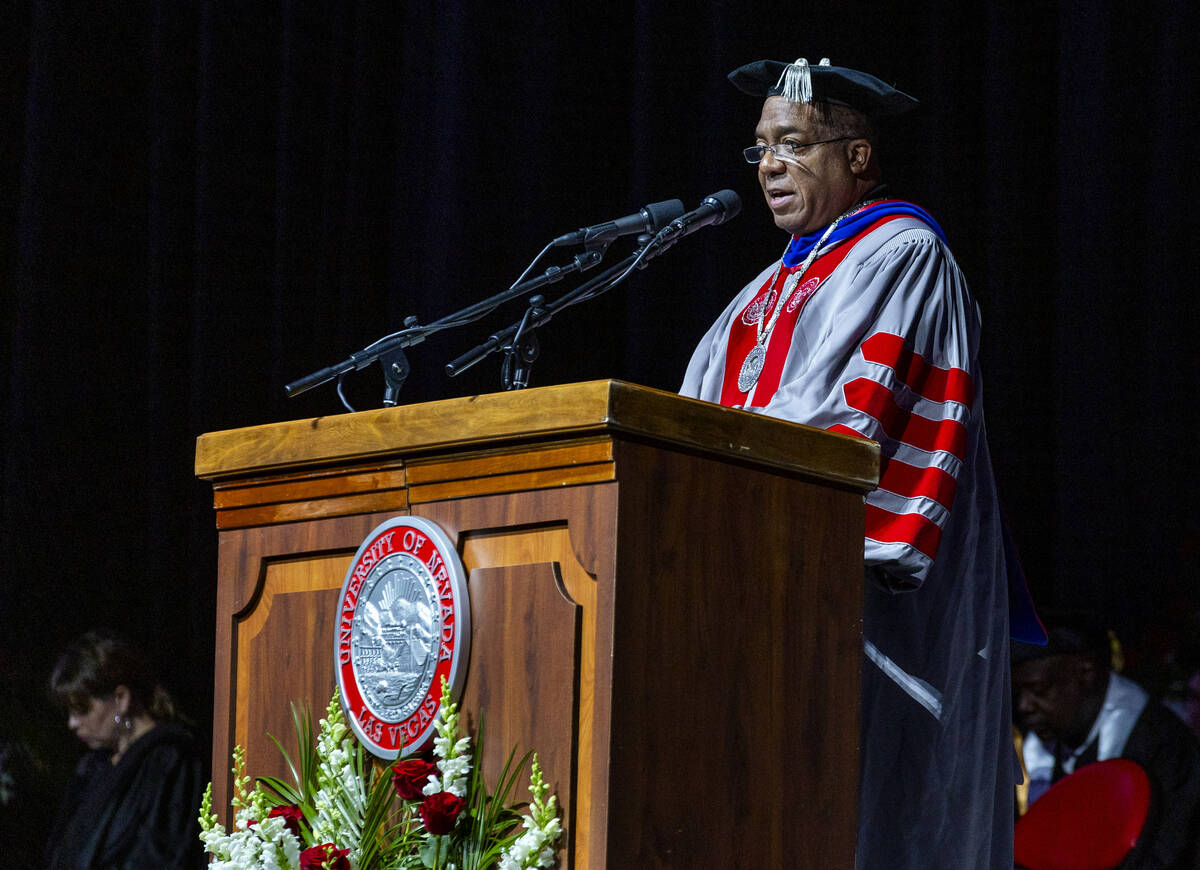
point(430, 851)
point(304, 774)
point(388, 835)
point(493, 824)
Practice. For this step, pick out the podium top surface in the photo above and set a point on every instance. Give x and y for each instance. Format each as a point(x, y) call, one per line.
point(542, 414)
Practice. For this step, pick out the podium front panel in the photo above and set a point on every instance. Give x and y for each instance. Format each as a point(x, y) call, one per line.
point(666, 602)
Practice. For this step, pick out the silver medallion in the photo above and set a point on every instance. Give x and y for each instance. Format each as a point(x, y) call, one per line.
point(395, 642)
point(752, 367)
point(403, 626)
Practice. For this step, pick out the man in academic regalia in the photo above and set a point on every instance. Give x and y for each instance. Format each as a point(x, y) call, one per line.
point(865, 327)
point(1073, 709)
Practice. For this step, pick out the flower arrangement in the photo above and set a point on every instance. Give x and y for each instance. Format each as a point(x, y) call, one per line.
point(342, 812)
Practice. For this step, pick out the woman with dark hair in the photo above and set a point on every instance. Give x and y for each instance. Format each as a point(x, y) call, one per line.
point(135, 797)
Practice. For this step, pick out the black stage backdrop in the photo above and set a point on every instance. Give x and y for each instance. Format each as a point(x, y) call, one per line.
point(203, 201)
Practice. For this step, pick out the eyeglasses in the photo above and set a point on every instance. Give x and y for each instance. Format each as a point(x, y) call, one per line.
point(786, 151)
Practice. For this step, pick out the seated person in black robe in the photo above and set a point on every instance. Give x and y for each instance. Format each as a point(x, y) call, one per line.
point(1072, 709)
point(135, 797)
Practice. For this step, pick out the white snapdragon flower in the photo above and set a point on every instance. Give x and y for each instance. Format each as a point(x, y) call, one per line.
point(453, 753)
point(281, 848)
point(341, 796)
point(535, 847)
point(455, 772)
point(268, 845)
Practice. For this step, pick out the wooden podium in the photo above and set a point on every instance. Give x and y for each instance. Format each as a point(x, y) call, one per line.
point(665, 602)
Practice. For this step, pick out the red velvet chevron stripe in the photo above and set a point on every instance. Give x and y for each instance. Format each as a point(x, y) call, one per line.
point(937, 387)
point(912, 481)
point(876, 400)
point(915, 530)
point(929, 381)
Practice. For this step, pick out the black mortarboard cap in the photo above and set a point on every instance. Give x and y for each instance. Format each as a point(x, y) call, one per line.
point(803, 83)
point(1068, 632)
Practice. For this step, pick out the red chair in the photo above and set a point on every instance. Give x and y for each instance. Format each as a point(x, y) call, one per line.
point(1089, 820)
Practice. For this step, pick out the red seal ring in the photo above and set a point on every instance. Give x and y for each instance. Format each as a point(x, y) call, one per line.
point(403, 624)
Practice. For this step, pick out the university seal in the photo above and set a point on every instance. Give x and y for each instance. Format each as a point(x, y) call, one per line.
point(403, 623)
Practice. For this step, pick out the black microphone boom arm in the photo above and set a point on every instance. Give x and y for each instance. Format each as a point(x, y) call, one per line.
point(715, 209)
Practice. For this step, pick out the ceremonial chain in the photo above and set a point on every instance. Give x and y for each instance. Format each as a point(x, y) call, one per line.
point(752, 366)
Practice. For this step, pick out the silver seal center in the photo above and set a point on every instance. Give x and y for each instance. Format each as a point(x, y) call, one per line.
point(395, 644)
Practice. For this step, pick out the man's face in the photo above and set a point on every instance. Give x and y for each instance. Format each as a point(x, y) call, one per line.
point(1051, 697)
point(807, 192)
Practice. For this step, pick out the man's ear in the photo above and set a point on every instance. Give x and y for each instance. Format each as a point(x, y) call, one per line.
point(1088, 671)
point(858, 153)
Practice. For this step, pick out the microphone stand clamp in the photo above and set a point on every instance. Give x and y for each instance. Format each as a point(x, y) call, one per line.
point(395, 367)
point(521, 353)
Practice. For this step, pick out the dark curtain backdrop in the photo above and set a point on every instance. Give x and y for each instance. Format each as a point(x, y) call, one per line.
point(202, 201)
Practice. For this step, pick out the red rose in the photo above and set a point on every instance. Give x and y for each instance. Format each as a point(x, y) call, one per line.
point(410, 776)
point(324, 857)
point(440, 811)
point(291, 815)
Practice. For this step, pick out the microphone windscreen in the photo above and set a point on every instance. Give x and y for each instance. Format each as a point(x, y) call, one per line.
point(730, 203)
point(659, 214)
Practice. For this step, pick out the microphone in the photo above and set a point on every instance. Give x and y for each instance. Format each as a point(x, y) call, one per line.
point(715, 209)
point(650, 219)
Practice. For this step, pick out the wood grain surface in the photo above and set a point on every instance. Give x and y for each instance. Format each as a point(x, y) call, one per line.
point(674, 627)
point(544, 413)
